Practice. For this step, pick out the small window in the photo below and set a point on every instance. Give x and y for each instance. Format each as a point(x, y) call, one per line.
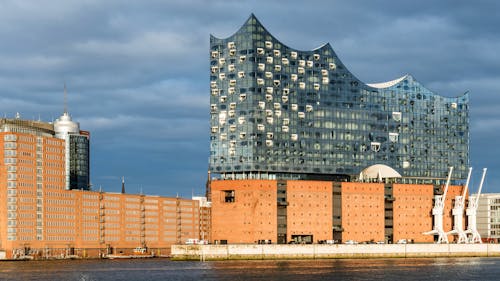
point(229, 196)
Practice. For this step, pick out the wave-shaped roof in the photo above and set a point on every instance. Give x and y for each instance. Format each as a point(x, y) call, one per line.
point(388, 84)
point(327, 47)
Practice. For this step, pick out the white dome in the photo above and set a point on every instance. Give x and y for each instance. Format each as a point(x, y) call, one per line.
point(64, 126)
point(379, 171)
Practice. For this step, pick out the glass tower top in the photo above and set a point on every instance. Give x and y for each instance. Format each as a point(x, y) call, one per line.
point(278, 112)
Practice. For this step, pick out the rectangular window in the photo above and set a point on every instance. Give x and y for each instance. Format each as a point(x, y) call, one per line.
point(229, 196)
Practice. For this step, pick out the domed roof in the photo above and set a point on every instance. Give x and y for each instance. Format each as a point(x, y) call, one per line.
point(64, 125)
point(379, 171)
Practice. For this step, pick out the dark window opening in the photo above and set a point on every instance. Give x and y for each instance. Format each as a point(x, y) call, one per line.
point(229, 196)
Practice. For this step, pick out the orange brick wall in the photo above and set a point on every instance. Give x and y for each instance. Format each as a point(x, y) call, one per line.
point(309, 209)
point(38, 210)
point(363, 211)
point(92, 221)
point(412, 213)
point(251, 217)
point(3, 196)
point(50, 220)
point(205, 223)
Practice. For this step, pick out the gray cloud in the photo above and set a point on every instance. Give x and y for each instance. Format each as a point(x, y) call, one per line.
point(137, 73)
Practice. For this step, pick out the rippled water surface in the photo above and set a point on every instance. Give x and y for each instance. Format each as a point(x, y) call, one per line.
point(164, 269)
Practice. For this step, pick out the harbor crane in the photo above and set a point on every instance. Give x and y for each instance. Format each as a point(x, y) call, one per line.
point(472, 212)
point(458, 214)
point(437, 212)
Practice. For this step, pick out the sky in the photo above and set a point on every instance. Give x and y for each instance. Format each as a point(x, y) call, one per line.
point(137, 72)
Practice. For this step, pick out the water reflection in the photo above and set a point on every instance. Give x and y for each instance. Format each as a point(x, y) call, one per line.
point(290, 270)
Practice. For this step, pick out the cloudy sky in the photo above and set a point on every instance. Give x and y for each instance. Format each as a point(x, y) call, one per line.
point(137, 72)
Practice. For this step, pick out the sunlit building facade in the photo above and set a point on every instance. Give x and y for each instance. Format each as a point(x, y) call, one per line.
point(77, 152)
point(48, 210)
point(281, 113)
point(488, 216)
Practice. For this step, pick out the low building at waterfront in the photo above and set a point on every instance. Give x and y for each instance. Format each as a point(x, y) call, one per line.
point(488, 216)
point(299, 211)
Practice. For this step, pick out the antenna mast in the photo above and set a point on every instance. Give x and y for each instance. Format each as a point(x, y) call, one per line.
point(65, 99)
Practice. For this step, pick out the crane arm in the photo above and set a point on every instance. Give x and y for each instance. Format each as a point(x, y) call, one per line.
point(480, 186)
point(466, 185)
point(447, 184)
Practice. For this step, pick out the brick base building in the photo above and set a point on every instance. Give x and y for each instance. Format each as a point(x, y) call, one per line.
point(299, 211)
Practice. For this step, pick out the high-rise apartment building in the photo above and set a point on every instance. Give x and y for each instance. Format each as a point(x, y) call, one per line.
point(281, 113)
point(77, 152)
point(48, 210)
point(33, 165)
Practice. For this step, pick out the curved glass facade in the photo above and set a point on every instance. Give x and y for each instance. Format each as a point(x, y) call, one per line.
point(277, 112)
point(79, 162)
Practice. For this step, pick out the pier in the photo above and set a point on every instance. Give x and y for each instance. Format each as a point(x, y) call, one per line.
point(336, 251)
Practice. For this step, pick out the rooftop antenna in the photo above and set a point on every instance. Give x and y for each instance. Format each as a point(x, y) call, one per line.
point(65, 99)
point(123, 185)
point(208, 187)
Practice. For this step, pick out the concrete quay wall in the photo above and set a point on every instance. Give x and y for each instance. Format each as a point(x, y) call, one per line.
point(322, 251)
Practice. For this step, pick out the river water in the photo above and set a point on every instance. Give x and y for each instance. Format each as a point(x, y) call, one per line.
point(294, 270)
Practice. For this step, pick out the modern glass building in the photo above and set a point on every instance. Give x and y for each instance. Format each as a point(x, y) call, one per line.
point(281, 113)
point(79, 163)
point(77, 152)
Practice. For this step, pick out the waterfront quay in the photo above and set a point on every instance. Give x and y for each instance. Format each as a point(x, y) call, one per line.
point(325, 251)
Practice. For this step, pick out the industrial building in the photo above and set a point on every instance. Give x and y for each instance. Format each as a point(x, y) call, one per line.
point(302, 211)
point(302, 151)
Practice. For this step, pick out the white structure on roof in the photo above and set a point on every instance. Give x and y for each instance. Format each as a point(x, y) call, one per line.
point(378, 171)
point(387, 84)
